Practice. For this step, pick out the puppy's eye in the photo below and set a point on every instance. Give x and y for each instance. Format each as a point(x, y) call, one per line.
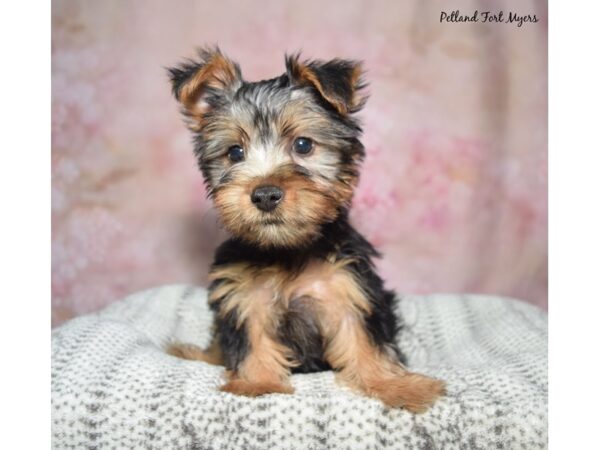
point(235, 153)
point(303, 145)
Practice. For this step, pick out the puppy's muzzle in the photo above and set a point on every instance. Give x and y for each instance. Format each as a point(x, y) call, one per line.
point(266, 198)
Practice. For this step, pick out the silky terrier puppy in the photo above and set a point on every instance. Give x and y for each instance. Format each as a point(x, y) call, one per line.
point(294, 289)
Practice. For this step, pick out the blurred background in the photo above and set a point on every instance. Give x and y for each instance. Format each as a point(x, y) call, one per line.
point(453, 190)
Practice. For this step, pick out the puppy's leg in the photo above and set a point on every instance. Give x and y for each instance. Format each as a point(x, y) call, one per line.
point(363, 365)
point(265, 366)
point(264, 370)
point(375, 371)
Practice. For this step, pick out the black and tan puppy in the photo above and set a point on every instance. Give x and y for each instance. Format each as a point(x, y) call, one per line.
point(294, 289)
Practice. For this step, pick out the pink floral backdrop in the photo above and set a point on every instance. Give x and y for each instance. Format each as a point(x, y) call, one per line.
point(454, 188)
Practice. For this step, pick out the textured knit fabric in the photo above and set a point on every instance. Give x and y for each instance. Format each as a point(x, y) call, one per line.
point(114, 387)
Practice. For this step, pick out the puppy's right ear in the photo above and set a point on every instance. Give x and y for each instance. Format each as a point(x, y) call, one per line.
point(203, 85)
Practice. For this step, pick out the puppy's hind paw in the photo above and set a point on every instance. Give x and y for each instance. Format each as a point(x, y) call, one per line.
point(255, 389)
point(412, 391)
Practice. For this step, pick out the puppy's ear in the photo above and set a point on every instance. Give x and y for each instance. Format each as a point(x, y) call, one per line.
point(200, 86)
point(339, 82)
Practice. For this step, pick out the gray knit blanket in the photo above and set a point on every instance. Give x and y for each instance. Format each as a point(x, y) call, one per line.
point(114, 387)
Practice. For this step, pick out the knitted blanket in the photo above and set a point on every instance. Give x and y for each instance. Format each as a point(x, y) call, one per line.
point(113, 385)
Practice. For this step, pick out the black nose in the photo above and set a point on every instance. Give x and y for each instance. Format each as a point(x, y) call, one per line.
point(266, 198)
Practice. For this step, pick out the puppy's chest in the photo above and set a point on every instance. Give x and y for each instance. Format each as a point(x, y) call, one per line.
point(322, 283)
point(276, 285)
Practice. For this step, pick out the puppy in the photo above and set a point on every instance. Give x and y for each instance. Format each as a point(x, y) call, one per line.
point(294, 289)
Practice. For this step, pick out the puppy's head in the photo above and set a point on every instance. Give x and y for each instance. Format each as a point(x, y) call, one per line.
point(280, 157)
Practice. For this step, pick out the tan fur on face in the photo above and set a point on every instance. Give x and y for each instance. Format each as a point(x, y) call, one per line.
point(297, 119)
point(305, 206)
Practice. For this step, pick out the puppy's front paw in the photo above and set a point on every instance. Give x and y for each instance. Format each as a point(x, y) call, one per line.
point(254, 389)
point(412, 391)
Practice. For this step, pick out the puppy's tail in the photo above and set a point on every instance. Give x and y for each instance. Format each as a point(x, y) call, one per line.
point(212, 355)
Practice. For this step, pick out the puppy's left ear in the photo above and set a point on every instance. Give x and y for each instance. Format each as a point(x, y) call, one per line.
point(339, 81)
